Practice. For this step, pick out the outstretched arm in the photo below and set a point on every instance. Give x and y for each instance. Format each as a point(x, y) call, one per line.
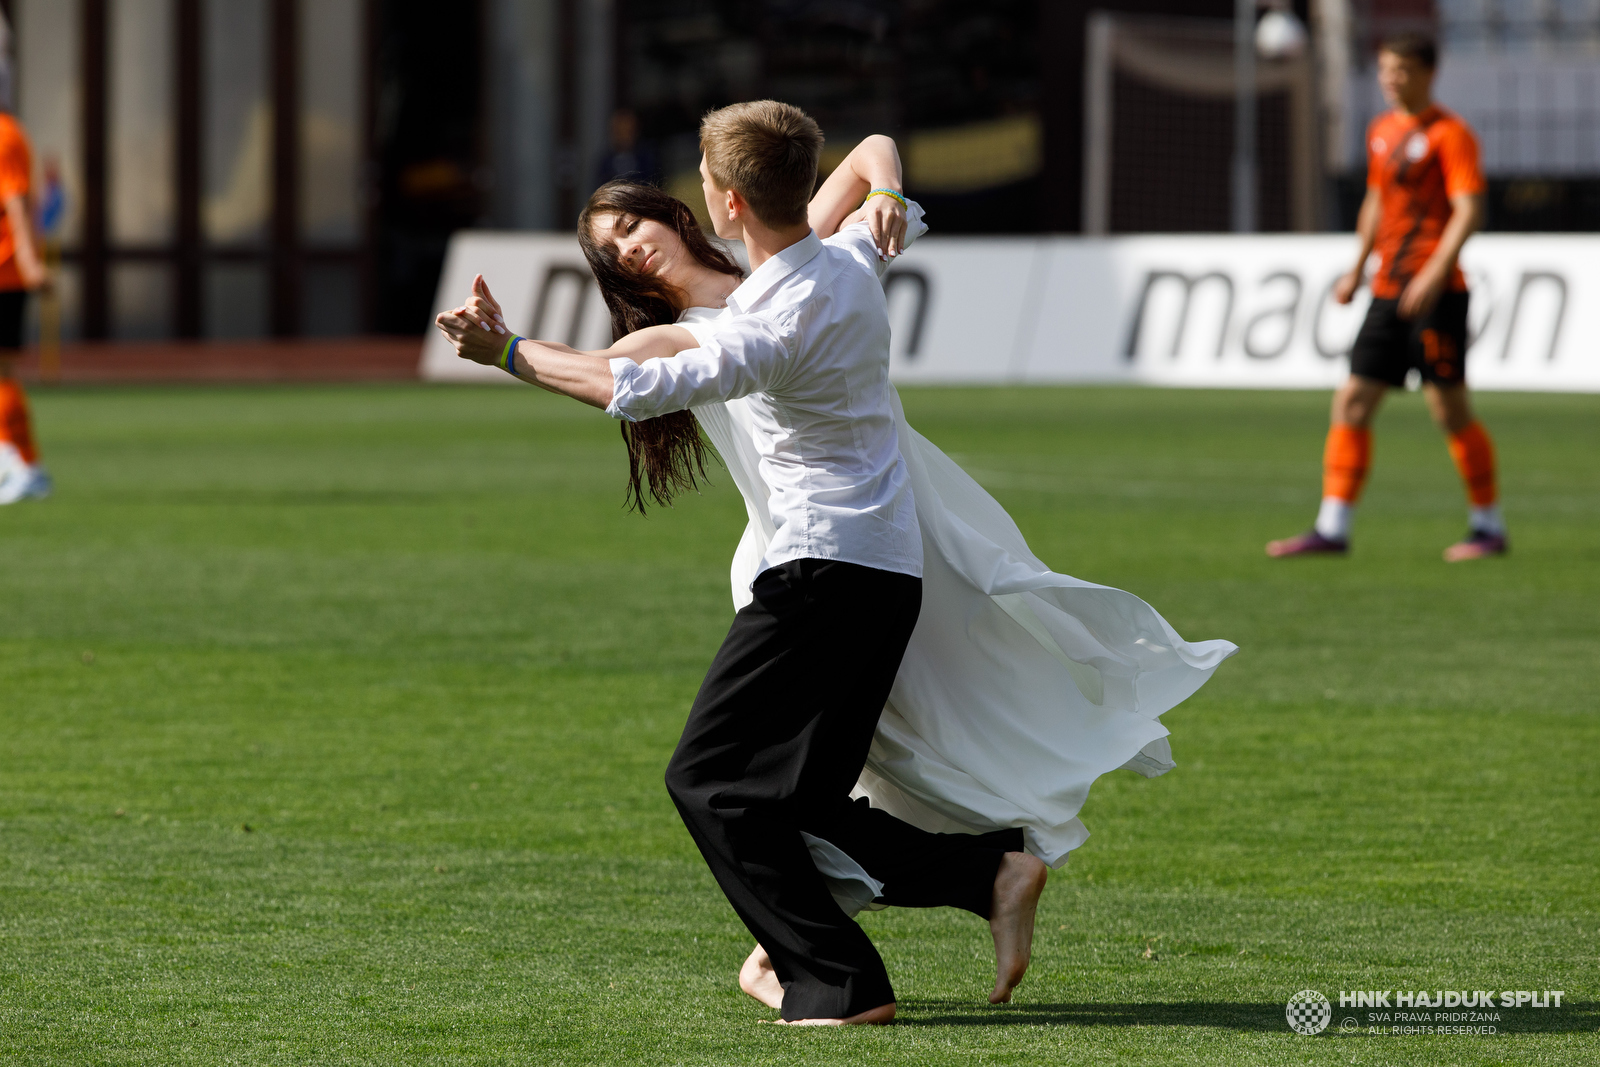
point(478, 331)
point(872, 164)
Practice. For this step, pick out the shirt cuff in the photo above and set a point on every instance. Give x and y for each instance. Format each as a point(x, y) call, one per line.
point(623, 371)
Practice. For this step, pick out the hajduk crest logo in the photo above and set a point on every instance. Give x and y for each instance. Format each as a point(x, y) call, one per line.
point(1308, 1012)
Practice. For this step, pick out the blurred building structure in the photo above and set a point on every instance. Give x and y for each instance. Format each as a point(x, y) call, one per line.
point(249, 168)
point(1159, 123)
point(213, 158)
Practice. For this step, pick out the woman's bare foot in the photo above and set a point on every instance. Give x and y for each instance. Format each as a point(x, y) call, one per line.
point(1017, 886)
point(758, 979)
point(879, 1016)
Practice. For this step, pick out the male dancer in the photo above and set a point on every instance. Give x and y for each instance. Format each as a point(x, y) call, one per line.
point(21, 269)
point(1424, 199)
point(780, 729)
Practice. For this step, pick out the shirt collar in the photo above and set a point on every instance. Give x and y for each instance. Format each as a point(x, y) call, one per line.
point(773, 271)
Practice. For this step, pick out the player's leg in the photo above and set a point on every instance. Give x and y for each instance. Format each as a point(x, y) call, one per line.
point(1378, 360)
point(20, 475)
point(1473, 452)
point(1439, 351)
point(1347, 454)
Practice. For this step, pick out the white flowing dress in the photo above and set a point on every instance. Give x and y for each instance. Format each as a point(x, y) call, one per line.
point(1020, 686)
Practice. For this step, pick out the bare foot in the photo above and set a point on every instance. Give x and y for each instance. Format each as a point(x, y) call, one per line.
point(758, 979)
point(879, 1016)
point(1017, 886)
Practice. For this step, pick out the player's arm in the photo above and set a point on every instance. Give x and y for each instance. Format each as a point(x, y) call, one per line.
point(872, 164)
point(1367, 230)
point(477, 330)
point(1466, 217)
point(29, 264)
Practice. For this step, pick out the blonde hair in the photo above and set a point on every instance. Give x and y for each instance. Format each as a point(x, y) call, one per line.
point(767, 151)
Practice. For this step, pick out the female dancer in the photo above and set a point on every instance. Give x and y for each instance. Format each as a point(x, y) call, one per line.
point(1020, 686)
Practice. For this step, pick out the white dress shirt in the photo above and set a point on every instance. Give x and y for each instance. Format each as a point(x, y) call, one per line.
point(805, 341)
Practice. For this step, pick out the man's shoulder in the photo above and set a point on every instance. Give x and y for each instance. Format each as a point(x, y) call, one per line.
point(805, 293)
point(847, 266)
point(1447, 125)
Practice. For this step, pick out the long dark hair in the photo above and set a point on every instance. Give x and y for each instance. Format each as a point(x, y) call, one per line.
point(666, 454)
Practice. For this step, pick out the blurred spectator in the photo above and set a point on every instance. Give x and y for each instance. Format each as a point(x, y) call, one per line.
point(629, 156)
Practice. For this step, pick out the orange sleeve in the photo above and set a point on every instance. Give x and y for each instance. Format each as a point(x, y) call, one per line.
point(13, 161)
point(1458, 157)
point(1374, 164)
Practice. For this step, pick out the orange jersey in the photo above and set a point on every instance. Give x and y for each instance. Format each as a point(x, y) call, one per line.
point(1417, 163)
point(16, 165)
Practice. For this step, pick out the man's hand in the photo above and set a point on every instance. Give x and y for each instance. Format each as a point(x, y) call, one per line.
point(1423, 291)
point(1344, 290)
point(476, 328)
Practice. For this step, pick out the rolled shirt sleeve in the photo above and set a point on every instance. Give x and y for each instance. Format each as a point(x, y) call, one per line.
point(736, 357)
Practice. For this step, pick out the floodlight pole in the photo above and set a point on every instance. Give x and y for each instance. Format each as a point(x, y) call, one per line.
point(1244, 116)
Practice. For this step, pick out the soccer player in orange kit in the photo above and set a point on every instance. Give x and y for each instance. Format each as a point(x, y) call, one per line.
point(21, 269)
point(1424, 199)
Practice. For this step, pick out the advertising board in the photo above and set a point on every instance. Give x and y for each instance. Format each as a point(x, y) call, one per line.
point(1216, 311)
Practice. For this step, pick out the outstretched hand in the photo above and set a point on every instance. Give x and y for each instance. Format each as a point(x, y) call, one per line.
point(886, 217)
point(477, 328)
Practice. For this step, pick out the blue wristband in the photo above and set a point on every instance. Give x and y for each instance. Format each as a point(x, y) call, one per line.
point(508, 356)
point(887, 192)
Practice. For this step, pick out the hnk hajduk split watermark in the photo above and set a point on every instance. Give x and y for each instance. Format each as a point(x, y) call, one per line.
point(1461, 1012)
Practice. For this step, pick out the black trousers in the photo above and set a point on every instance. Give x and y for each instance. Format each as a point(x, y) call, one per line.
point(774, 743)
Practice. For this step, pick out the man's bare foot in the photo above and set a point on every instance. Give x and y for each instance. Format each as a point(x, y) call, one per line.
point(879, 1016)
point(1017, 886)
point(758, 979)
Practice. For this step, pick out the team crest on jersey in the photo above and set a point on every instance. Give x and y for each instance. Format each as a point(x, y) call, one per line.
point(1379, 146)
point(1416, 147)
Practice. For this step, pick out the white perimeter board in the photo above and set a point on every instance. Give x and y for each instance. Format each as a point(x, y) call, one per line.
point(1204, 311)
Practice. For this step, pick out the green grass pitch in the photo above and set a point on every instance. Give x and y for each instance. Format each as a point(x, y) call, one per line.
point(332, 724)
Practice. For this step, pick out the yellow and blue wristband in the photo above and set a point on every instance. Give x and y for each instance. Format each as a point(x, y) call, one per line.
point(887, 192)
point(508, 356)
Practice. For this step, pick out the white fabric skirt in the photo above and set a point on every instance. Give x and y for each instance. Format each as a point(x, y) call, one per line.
point(1020, 686)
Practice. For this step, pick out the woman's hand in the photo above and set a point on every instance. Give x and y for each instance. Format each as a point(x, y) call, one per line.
point(886, 216)
point(872, 164)
point(476, 328)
